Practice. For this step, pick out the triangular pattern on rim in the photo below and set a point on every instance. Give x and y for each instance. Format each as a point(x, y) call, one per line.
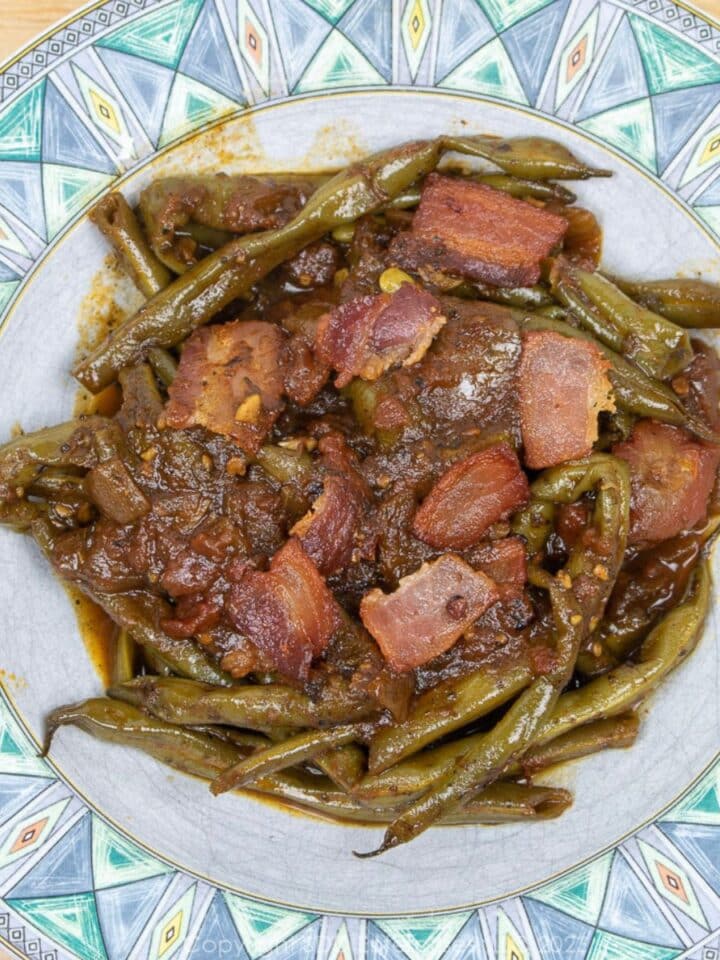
point(64, 869)
point(18, 754)
point(300, 31)
point(704, 157)
point(159, 36)
point(711, 216)
point(577, 57)
point(67, 191)
point(469, 944)
point(332, 10)
point(116, 859)
point(31, 831)
point(629, 128)
point(7, 272)
point(7, 290)
point(607, 946)
point(698, 843)
point(490, 72)
point(72, 921)
point(630, 911)
point(67, 140)
point(207, 57)
point(531, 43)
point(191, 105)
point(578, 893)
point(677, 115)
point(560, 936)
point(263, 927)
point(619, 78)
point(11, 240)
point(504, 13)
point(124, 910)
point(424, 938)
point(703, 801)
point(217, 929)
point(672, 882)
point(338, 63)
point(21, 126)
point(368, 25)
point(145, 85)
point(16, 792)
point(171, 930)
point(671, 63)
point(463, 28)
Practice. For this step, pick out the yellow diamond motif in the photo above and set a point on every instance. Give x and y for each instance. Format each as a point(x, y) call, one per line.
point(711, 150)
point(104, 111)
point(170, 934)
point(512, 950)
point(416, 24)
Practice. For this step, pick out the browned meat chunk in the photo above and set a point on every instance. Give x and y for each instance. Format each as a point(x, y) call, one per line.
point(563, 386)
point(469, 497)
point(230, 380)
point(505, 562)
point(672, 477)
point(327, 531)
point(427, 613)
point(287, 612)
point(366, 336)
point(470, 230)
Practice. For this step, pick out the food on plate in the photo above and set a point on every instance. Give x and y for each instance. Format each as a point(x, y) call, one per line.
point(403, 500)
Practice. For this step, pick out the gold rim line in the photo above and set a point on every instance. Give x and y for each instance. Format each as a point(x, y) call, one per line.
point(253, 110)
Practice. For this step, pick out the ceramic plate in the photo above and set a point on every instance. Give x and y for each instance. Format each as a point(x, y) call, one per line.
point(103, 854)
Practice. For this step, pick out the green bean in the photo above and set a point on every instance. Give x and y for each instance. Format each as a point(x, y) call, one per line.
point(517, 187)
point(155, 663)
point(231, 272)
point(286, 465)
point(635, 392)
point(74, 443)
point(255, 707)
point(296, 749)
point(447, 707)
point(138, 613)
point(416, 774)
point(343, 765)
point(141, 400)
point(116, 221)
point(685, 301)
point(529, 298)
point(659, 347)
point(530, 158)
point(163, 363)
point(246, 741)
point(116, 722)
point(57, 483)
point(535, 523)
point(123, 662)
point(20, 515)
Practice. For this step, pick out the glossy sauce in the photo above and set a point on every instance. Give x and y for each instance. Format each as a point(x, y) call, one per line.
point(98, 633)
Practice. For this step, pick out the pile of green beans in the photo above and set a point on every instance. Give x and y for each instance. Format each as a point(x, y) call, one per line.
point(467, 748)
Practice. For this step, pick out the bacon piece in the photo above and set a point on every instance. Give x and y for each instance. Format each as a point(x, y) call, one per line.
point(474, 231)
point(469, 497)
point(305, 373)
point(327, 531)
point(366, 336)
point(230, 380)
point(287, 612)
point(427, 613)
point(563, 386)
point(672, 477)
point(505, 562)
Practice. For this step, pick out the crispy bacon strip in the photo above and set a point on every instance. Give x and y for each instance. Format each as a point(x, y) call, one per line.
point(230, 380)
point(287, 612)
point(672, 477)
point(563, 386)
point(427, 613)
point(473, 231)
point(505, 562)
point(469, 497)
point(367, 335)
point(327, 531)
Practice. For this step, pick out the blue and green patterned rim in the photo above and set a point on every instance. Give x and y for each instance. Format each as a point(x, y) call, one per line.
point(126, 79)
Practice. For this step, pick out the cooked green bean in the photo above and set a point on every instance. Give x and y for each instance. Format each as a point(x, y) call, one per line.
point(517, 187)
point(20, 515)
point(530, 158)
point(296, 749)
point(659, 347)
point(417, 773)
point(116, 221)
point(255, 707)
point(344, 765)
point(447, 707)
point(123, 662)
point(163, 363)
point(685, 301)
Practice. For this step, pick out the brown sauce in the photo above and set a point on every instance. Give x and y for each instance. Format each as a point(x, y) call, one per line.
point(97, 631)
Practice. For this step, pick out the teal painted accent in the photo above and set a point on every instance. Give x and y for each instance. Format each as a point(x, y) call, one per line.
point(670, 61)
point(629, 128)
point(21, 126)
point(606, 946)
point(160, 35)
point(578, 893)
point(504, 13)
point(71, 921)
point(489, 72)
point(338, 63)
point(332, 10)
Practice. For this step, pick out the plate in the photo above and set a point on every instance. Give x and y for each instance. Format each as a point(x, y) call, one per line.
point(103, 854)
